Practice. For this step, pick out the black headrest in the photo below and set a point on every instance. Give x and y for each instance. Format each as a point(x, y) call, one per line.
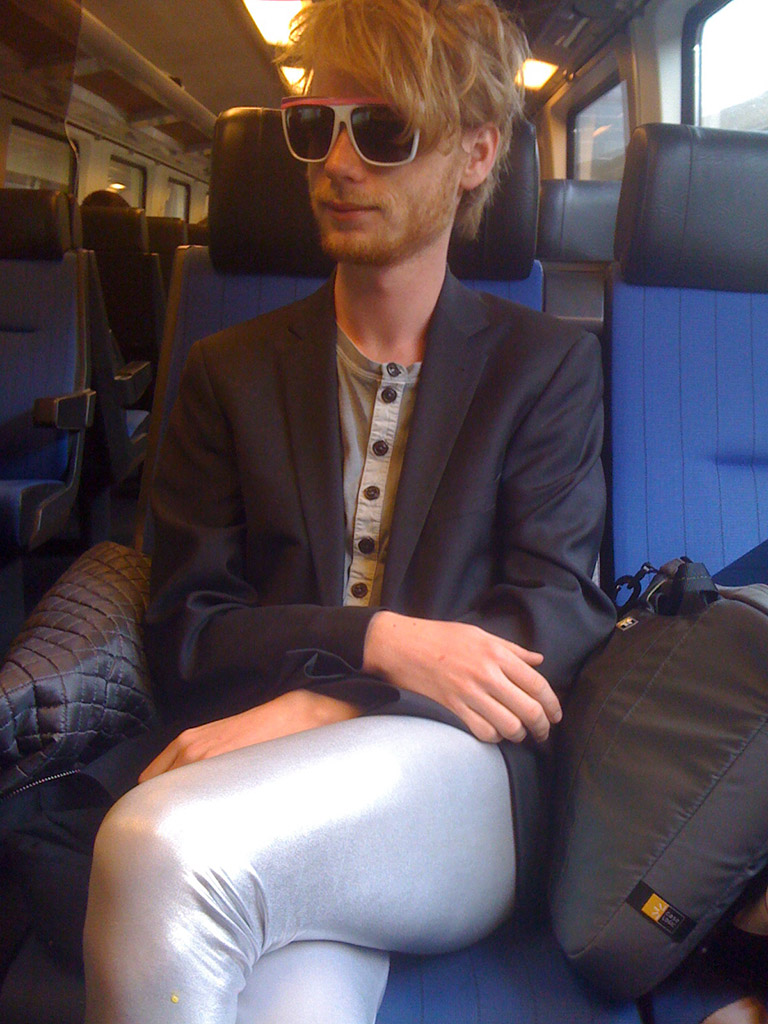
point(505, 246)
point(115, 229)
point(692, 212)
point(259, 214)
point(166, 233)
point(577, 220)
point(34, 224)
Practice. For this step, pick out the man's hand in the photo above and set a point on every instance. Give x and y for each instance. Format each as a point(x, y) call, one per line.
point(290, 713)
point(491, 684)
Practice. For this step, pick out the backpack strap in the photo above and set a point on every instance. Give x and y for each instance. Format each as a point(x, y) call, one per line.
point(685, 588)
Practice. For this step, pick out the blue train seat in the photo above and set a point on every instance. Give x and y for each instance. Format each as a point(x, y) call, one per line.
point(45, 401)
point(688, 313)
point(131, 278)
point(577, 220)
point(116, 445)
point(166, 234)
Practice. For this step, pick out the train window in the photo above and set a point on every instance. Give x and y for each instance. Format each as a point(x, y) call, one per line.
point(725, 77)
point(38, 159)
point(130, 180)
point(598, 133)
point(177, 203)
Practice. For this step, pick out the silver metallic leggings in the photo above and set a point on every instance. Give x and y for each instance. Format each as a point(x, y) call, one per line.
point(262, 886)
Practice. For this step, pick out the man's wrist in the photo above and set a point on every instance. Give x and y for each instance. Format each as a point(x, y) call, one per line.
point(323, 709)
point(375, 645)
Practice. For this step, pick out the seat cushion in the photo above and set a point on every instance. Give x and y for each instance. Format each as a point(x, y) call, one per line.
point(513, 977)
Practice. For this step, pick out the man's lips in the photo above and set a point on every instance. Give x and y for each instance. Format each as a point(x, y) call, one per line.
point(344, 207)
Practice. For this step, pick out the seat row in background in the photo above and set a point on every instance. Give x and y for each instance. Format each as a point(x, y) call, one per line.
point(67, 426)
point(82, 302)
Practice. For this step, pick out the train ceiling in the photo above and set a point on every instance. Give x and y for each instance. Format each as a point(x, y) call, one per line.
point(203, 56)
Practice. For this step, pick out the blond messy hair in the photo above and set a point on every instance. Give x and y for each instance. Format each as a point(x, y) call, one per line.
point(446, 66)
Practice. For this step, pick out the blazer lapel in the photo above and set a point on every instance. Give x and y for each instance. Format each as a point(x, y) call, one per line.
point(308, 362)
point(454, 360)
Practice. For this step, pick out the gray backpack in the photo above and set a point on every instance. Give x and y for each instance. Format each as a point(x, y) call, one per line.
point(662, 795)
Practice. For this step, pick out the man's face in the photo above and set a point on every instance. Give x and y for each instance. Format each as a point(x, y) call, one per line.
point(380, 216)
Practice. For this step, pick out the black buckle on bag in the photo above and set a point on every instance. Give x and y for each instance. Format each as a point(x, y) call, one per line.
point(635, 585)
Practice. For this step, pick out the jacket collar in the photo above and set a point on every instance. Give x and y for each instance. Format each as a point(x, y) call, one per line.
point(456, 352)
point(308, 359)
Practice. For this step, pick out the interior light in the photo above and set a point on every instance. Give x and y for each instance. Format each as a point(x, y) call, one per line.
point(116, 186)
point(292, 77)
point(537, 73)
point(273, 17)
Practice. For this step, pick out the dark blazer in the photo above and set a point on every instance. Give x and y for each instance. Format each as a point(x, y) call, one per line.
point(498, 517)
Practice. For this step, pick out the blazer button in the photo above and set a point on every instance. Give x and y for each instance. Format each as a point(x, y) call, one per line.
point(388, 395)
point(367, 545)
point(380, 447)
point(372, 492)
point(359, 589)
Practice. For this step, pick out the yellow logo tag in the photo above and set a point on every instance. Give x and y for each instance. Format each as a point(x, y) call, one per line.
point(655, 907)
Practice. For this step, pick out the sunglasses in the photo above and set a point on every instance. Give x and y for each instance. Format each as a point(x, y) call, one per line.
point(377, 132)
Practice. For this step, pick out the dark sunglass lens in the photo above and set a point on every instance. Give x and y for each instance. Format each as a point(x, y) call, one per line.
point(310, 130)
point(380, 135)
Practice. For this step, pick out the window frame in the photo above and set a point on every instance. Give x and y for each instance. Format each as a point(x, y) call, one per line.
point(187, 193)
point(603, 87)
point(690, 94)
point(118, 159)
point(48, 133)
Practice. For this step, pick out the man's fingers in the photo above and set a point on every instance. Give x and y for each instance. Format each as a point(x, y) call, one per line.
point(525, 677)
point(162, 763)
point(529, 657)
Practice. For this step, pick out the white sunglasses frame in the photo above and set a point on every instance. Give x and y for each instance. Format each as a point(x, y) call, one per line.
point(342, 113)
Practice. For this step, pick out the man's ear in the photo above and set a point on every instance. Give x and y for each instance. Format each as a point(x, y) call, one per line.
point(480, 146)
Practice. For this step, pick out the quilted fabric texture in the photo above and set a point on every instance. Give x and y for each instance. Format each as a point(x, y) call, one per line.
point(75, 680)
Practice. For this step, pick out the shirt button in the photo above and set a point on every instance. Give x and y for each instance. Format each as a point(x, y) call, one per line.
point(393, 370)
point(359, 589)
point(372, 492)
point(366, 545)
point(388, 395)
point(380, 447)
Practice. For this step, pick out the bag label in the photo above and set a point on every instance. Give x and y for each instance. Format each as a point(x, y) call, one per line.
point(664, 915)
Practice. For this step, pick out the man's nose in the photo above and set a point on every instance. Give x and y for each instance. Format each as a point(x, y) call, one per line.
point(343, 159)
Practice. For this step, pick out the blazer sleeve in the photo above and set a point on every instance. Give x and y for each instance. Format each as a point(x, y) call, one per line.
point(550, 520)
point(213, 648)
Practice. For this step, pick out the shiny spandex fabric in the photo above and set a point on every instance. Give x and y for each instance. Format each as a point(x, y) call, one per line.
point(239, 890)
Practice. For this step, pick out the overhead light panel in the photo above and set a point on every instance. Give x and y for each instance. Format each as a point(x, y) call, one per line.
point(273, 18)
point(292, 78)
point(537, 73)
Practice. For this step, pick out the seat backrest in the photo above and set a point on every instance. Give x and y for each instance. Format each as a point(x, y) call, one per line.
point(166, 234)
point(688, 314)
point(131, 278)
point(43, 343)
point(502, 259)
point(577, 220)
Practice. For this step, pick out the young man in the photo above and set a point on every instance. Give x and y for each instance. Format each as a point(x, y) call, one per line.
point(377, 516)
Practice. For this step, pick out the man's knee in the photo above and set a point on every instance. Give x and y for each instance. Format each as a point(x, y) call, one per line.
point(142, 834)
